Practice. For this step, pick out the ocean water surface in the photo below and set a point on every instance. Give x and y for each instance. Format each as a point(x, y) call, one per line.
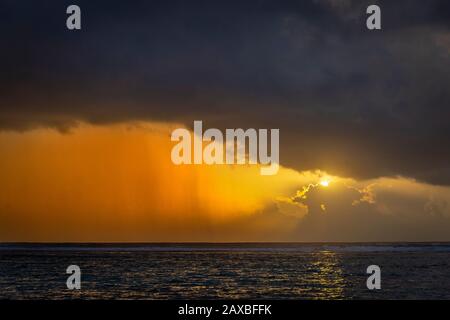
point(225, 271)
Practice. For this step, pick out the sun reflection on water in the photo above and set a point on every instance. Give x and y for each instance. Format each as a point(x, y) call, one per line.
point(326, 276)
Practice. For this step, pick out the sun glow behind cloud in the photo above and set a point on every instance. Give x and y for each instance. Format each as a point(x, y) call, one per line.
point(117, 183)
point(324, 183)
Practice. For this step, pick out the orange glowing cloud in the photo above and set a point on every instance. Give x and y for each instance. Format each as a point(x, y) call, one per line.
point(117, 183)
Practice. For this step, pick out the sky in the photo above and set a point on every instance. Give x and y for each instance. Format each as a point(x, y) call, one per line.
point(86, 117)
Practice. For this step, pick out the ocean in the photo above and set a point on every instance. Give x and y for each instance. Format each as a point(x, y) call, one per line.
point(225, 271)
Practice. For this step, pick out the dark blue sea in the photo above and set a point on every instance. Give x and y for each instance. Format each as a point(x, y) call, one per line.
point(225, 271)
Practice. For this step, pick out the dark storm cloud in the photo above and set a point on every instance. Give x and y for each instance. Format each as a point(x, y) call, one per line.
point(347, 100)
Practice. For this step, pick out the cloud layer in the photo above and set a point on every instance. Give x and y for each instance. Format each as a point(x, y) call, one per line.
point(116, 183)
point(349, 101)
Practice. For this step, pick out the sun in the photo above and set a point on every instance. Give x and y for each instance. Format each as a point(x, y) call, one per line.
point(325, 183)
